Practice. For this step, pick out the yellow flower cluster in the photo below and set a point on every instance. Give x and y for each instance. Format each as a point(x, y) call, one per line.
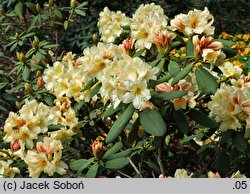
point(110, 24)
point(230, 70)
point(195, 22)
point(6, 168)
point(25, 128)
point(147, 21)
point(122, 77)
point(126, 80)
point(46, 157)
point(148, 26)
point(231, 105)
point(66, 78)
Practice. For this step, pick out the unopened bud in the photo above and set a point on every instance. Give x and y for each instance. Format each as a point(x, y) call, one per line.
point(73, 4)
point(95, 37)
point(40, 82)
point(35, 42)
point(2, 12)
point(97, 149)
point(38, 8)
point(163, 87)
point(17, 36)
point(20, 57)
point(163, 40)
point(18, 105)
point(51, 3)
point(15, 146)
point(128, 44)
point(27, 87)
point(38, 73)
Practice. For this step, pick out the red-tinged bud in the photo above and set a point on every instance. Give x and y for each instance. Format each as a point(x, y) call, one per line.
point(163, 87)
point(128, 44)
point(176, 87)
point(15, 146)
point(40, 82)
point(163, 41)
point(97, 149)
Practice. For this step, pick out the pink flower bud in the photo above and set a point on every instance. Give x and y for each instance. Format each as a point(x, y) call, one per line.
point(15, 145)
point(40, 82)
point(163, 87)
point(128, 44)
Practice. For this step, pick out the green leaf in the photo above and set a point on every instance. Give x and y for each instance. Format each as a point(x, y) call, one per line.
point(152, 122)
point(202, 119)
point(76, 164)
point(240, 142)
point(32, 7)
point(116, 163)
point(181, 121)
point(78, 105)
point(123, 153)
point(55, 127)
point(160, 67)
point(92, 171)
point(115, 148)
point(153, 166)
point(190, 48)
point(58, 13)
point(66, 24)
point(3, 108)
point(2, 85)
point(173, 68)
point(168, 95)
point(48, 100)
point(111, 110)
point(155, 62)
point(120, 123)
point(182, 74)
point(85, 165)
point(19, 10)
point(9, 96)
point(206, 82)
point(95, 90)
point(80, 12)
point(188, 138)
point(230, 52)
point(138, 53)
point(32, 23)
point(26, 73)
point(13, 46)
point(89, 85)
point(164, 78)
point(204, 147)
point(222, 162)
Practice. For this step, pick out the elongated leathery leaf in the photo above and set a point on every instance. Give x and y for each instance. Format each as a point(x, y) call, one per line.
point(206, 82)
point(152, 122)
point(182, 74)
point(120, 124)
point(168, 95)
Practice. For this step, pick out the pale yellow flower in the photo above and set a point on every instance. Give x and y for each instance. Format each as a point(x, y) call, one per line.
point(46, 158)
point(146, 22)
point(182, 173)
point(229, 70)
point(110, 24)
point(238, 175)
point(195, 22)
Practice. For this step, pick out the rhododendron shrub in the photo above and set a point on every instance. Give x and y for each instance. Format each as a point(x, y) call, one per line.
point(156, 97)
